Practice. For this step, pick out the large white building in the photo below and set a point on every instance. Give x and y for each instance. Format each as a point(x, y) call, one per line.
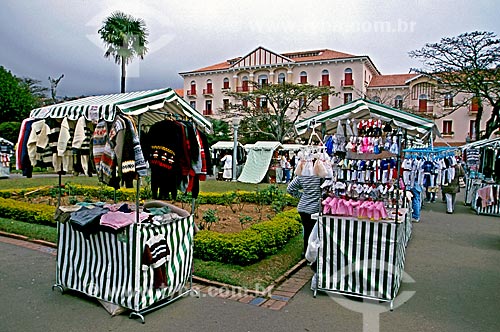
point(353, 76)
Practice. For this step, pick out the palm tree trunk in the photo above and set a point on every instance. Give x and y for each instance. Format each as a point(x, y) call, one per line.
point(123, 76)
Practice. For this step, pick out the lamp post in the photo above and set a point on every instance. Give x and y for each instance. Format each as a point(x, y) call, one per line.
point(236, 125)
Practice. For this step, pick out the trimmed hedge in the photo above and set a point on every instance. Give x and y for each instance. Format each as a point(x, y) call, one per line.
point(250, 245)
point(243, 248)
point(27, 212)
point(104, 193)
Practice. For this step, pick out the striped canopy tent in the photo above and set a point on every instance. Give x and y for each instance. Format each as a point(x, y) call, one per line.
point(224, 145)
point(151, 105)
point(258, 161)
point(415, 125)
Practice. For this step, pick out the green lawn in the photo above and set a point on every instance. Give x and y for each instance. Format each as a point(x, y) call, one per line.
point(41, 180)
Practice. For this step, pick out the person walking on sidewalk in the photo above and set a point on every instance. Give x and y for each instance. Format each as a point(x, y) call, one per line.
point(308, 189)
point(450, 191)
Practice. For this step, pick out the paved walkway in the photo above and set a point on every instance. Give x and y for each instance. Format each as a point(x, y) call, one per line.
point(452, 284)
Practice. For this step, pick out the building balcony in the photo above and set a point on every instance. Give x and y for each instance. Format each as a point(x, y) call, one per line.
point(191, 93)
point(242, 89)
point(324, 83)
point(448, 134)
point(208, 92)
point(473, 109)
point(426, 110)
point(207, 112)
point(347, 84)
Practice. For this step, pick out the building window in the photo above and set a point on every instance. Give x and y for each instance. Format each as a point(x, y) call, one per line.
point(347, 77)
point(303, 77)
point(192, 91)
point(474, 106)
point(448, 100)
point(192, 104)
point(347, 97)
point(302, 102)
point(244, 84)
point(261, 102)
point(324, 103)
point(472, 130)
point(281, 78)
point(208, 107)
point(325, 78)
point(225, 83)
point(225, 104)
point(262, 80)
point(208, 90)
point(447, 127)
point(398, 102)
point(422, 103)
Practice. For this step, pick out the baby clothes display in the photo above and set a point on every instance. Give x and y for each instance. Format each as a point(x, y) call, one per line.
point(364, 136)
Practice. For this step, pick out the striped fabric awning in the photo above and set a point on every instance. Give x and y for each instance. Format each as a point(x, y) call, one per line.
point(361, 109)
point(152, 105)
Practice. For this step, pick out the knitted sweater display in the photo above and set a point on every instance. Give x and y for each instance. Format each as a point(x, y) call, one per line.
point(156, 254)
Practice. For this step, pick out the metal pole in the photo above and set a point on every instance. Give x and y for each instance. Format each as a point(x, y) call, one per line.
point(235, 148)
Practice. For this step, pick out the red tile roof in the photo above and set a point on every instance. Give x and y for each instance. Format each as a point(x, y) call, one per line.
point(180, 92)
point(303, 56)
point(390, 80)
point(317, 55)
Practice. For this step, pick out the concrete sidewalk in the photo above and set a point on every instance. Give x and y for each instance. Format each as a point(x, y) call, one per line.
point(454, 261)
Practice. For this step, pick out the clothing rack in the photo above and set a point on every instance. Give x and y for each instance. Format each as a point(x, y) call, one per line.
point(103, 254)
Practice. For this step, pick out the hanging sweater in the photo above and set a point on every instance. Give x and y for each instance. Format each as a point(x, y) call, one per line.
point(156, 254)
point(98, 142)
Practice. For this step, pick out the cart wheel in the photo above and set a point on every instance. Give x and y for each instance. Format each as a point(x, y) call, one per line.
point(58, 287)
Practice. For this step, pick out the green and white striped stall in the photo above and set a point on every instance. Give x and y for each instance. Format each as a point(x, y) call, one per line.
point(108, 266)
point(151, 105)
point(415, 126)
point(360, 257)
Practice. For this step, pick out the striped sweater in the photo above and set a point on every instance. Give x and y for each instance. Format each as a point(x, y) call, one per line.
point(308, 190)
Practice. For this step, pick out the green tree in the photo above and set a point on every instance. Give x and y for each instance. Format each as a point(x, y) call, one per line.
point(125, 38)
point(16, 97)
point(468, 63)
point(221, 132)
point(269, 111)
point(10, 131)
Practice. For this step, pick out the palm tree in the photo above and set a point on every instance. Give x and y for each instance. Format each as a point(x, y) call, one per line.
point(125, 38)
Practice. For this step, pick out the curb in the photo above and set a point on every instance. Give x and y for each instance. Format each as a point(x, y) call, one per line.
point(264, 293)
point(25, 238)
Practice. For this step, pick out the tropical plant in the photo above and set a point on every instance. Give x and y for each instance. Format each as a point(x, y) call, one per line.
point(125, 38)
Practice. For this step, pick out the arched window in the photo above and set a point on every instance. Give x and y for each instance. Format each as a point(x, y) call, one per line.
point(398, 102)
point(347, 77)
point(281, 78)
point(244, 83)
point(422, 103)
point(192, 91)
point(303, 77)
point(448, 100)
point(225, 83)
point(208, 90)
point(262, 80)
point(325, 78)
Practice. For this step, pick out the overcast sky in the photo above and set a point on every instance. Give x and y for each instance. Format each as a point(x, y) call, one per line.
point(42, 38)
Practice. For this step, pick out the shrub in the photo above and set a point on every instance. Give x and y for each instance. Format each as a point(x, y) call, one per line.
point(32, 213)
point(250, 245)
